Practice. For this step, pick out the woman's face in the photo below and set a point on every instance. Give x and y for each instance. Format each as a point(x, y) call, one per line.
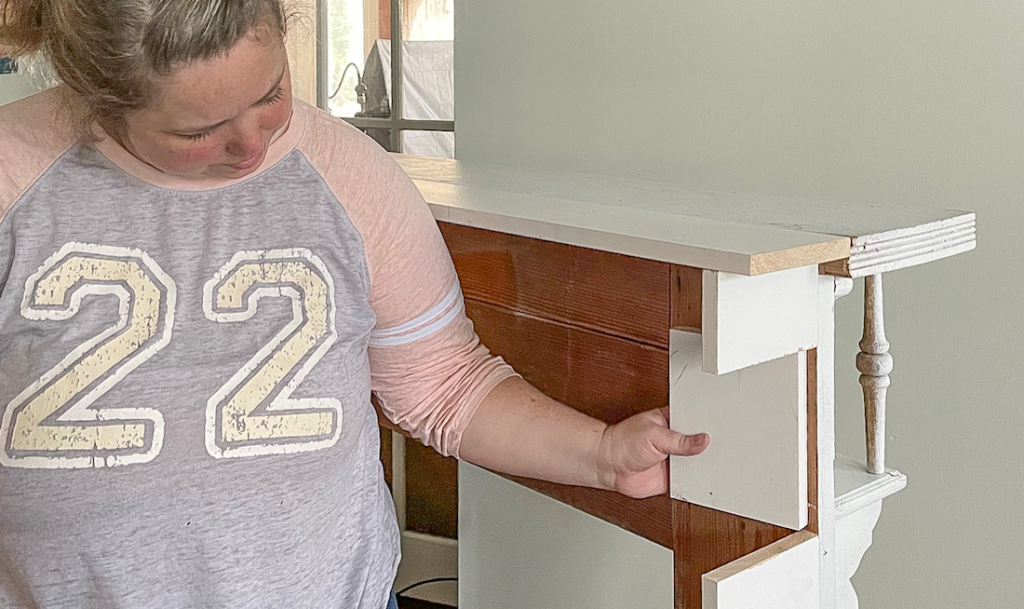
point(216, 118)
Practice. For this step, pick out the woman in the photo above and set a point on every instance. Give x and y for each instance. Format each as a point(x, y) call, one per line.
point(201, 281)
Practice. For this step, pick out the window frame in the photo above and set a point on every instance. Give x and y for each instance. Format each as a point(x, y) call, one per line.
point(397, 123)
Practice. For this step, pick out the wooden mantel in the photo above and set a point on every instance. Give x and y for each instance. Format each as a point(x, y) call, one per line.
point(615, 296)
point(746, 234)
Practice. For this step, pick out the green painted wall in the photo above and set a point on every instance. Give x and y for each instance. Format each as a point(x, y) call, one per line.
point(912, 102)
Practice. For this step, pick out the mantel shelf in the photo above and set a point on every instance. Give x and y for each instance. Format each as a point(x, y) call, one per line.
point(856, 488)
point(746, 234)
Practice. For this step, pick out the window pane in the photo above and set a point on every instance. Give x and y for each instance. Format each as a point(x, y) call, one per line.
point(431, 19)
point(438, 144)
point(430, 60)
point(346, 34)
point(359, 40)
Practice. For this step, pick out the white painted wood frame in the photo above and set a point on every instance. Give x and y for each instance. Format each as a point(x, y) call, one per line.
point(756, 464)
point(783, 575)
point(858, 505)
point(519, 549)
point(830, 289)
point(751, 320)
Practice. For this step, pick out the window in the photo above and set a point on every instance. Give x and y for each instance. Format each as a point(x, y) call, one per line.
point(357, 71)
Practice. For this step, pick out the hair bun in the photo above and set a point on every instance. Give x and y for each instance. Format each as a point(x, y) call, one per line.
point(22, 25)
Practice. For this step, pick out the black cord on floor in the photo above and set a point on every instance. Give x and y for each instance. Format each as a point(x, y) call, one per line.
point(425, 582)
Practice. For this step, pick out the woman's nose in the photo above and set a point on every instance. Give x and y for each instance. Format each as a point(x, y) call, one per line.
point(247, 141)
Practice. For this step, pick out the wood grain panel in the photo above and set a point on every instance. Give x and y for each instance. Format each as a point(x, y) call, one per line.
point(385, 455)
point(686, 298)
point(609, 293)
point(431, 492)
point(606, 377)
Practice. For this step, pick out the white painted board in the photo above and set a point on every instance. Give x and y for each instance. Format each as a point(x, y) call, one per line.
point(750, 320)
point(519, 549)
point(783, 575)
point(877, 238)
point(739, 248)
point(756, 464)
point(863, 221)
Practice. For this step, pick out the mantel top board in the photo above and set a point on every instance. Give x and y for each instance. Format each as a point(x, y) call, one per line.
point(740, 233)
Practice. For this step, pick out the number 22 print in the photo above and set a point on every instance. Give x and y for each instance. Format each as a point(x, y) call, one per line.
point(57, 422)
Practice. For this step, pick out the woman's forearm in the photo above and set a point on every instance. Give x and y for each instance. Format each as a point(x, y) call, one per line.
point(518, 430)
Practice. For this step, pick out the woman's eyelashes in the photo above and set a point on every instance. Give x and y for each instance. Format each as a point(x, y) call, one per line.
point(273, 99)
point(269, 101)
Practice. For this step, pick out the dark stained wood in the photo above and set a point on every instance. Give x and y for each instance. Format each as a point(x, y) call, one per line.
point(432, 491)
point(649, 518)
point(705, 539)
point(604, 376)
point(687, 290)
point(590, 368)
point(432, 482)
point(385, 455)
point(384, 422)
point(609, 293)
point(812, 441)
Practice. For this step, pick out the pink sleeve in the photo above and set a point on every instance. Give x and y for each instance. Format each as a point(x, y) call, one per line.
point(429, 370)
point(34, 132)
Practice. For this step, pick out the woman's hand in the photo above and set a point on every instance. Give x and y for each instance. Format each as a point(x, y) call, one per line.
point(518, 430)
point(633, 455)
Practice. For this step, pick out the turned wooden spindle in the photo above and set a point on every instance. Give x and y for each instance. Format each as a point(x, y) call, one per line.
point(874, 364)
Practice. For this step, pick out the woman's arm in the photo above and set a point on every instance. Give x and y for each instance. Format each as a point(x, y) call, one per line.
point(518, 430)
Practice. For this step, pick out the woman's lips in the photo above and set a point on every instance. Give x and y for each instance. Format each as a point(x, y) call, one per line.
point(248, 163)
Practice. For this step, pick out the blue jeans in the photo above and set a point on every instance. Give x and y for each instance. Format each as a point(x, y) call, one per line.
point(393, 603)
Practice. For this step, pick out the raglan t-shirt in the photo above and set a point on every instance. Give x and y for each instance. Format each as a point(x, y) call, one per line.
point(186, 369)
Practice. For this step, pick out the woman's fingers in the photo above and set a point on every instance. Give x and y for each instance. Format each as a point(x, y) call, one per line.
point(674, 443)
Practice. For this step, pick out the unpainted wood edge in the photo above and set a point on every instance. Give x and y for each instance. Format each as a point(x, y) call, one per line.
point(838, 268)
point(818, 253)
point(686, 293)
point(759, 557)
